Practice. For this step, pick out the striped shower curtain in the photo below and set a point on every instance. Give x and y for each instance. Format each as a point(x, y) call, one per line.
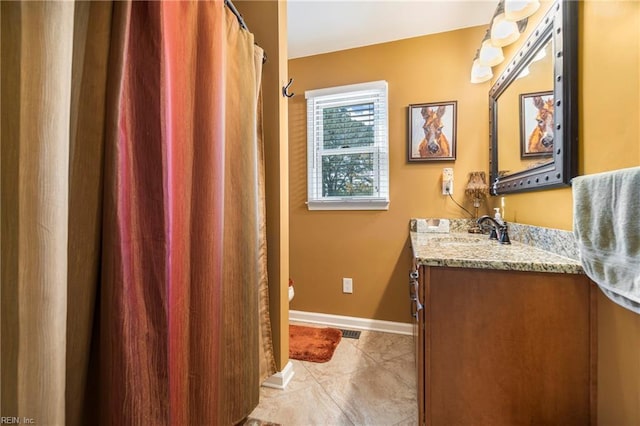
point(132, 173)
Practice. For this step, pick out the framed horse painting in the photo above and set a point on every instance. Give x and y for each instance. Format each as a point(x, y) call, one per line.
point(536, 124)
point(432, 132)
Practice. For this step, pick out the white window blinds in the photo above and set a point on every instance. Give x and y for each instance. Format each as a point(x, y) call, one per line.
point(348, 147)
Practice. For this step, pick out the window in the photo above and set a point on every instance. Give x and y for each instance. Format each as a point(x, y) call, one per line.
point(348, 147)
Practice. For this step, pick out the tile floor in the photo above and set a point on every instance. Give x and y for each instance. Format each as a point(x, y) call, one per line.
point(369, 381)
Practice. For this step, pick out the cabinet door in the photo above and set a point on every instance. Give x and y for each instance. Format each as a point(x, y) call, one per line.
point(508, 348)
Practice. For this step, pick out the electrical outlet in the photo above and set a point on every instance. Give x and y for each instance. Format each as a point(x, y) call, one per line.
point(347, 285)
point(447, 181)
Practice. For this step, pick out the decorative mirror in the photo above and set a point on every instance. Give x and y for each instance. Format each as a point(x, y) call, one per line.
point(533, 108)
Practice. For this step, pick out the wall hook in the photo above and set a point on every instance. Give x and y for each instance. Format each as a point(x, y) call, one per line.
point(285, 89)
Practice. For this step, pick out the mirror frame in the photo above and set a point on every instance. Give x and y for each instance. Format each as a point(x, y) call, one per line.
point(561, 21)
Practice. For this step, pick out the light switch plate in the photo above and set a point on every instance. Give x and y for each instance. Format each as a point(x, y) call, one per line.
point(347, 285)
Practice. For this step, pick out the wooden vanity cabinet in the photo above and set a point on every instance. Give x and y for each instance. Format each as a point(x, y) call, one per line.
point(506, 348)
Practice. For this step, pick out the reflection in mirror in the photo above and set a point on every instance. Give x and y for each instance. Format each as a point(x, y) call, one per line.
point(533, 108)
point(521, 121)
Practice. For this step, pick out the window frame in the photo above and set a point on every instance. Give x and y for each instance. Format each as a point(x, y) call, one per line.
point(345, 96)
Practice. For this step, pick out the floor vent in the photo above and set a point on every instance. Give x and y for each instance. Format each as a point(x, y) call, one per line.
point(350, 334)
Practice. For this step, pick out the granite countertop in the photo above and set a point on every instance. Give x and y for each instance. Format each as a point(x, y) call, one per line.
point(464, 250)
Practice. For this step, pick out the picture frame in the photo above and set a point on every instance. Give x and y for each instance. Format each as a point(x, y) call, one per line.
point(432, 132)
point(536, 124)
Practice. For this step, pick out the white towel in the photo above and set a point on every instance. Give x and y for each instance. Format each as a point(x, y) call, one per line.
point(606, 223)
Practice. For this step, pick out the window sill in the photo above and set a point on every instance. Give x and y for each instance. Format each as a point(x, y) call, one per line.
point(380, 204)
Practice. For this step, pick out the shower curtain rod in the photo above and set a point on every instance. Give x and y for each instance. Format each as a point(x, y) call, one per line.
point(243, 25)
point(230, 5)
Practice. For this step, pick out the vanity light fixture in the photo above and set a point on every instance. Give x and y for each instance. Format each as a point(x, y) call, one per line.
point(540, 55)
point(479, 73)
point(503, 31)
point(515, 10)
point(490, 55)
point(523, 73)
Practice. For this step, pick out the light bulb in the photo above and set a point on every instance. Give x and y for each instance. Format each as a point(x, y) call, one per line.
point(503, 32)
point(523, 73)
point(515, 10)
point(479, 73)
point(490, 55)
point(540, 55)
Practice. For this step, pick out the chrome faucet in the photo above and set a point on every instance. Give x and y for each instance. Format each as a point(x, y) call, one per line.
point(499, 231)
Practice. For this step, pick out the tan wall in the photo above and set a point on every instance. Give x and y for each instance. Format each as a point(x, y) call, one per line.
point(372, 247)
point(267, 20)
point(610, 139)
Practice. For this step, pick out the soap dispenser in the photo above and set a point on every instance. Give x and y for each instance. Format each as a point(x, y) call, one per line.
point(497, 216)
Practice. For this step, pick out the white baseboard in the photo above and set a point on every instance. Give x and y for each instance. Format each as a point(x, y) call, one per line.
point(356, 323)
point(281, 379)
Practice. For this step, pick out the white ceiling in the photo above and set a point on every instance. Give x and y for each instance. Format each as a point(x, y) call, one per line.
point(321, 26)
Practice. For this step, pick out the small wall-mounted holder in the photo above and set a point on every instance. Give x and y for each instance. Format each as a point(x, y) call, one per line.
point(285, 89)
